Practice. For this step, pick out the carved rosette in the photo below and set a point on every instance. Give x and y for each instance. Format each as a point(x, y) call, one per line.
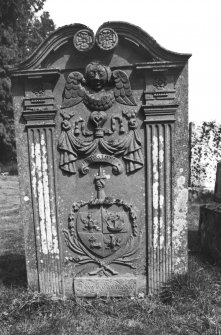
point(106, 39)
point(84, 40)
point(160, 83)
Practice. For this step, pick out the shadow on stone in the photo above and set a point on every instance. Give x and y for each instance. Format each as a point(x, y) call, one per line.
point(193, 241)
point(13, 270)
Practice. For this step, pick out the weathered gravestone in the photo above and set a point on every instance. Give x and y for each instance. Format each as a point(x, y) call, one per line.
point(210, 223)
point(102, 140)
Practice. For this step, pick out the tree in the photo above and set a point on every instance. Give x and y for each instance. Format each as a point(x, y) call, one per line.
point(21, 31)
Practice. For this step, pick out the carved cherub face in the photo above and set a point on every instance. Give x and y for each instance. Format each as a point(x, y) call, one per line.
point(96, 75)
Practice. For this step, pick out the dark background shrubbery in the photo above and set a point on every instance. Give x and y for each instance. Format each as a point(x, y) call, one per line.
point(21, 32)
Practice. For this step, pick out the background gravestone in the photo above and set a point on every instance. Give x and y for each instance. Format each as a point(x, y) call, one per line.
point(209, 223)
point(102, 139)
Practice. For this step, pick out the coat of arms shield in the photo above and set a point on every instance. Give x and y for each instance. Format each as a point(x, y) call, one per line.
point(103, 231)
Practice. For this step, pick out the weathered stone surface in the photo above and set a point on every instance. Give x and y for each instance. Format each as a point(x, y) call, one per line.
point(205, 140)
point(97, 286)
point(102, 136)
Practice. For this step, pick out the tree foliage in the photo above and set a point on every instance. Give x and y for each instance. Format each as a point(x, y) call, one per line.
point(21, 31)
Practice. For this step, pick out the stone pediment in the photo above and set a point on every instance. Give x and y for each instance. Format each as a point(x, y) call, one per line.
point(134, 48)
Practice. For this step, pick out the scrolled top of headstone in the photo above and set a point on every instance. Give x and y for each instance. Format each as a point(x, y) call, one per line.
point(106, 39)
point(84, 40)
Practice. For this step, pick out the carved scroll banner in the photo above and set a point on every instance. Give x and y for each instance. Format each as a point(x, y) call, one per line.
point(102, 144)
point(101, 158)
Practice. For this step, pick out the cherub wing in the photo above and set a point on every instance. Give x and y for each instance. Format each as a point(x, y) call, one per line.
point(122, 89)
point(74, 91)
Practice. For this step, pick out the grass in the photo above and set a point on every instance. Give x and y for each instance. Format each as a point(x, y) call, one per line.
point(190, 304)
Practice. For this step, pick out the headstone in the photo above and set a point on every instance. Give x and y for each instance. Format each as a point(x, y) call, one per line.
point(102, 141)
point(217, 192)
point(210, 223)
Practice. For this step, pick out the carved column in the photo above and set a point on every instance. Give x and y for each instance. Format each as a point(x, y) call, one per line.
point(159, 121)
point(159, 111)
point(39, 114)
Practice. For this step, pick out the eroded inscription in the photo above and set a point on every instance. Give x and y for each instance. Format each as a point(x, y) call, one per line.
point(97, 286)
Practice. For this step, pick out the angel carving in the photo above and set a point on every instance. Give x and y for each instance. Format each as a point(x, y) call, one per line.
point(98, 89)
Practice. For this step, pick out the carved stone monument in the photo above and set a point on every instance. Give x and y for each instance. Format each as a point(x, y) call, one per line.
point(210, 223)
point(102, 140)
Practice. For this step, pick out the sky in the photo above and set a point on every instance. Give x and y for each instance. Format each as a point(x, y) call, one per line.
point(185, 26)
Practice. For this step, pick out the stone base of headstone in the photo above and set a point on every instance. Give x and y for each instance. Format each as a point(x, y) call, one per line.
point(210, 231)
point(112, 287)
